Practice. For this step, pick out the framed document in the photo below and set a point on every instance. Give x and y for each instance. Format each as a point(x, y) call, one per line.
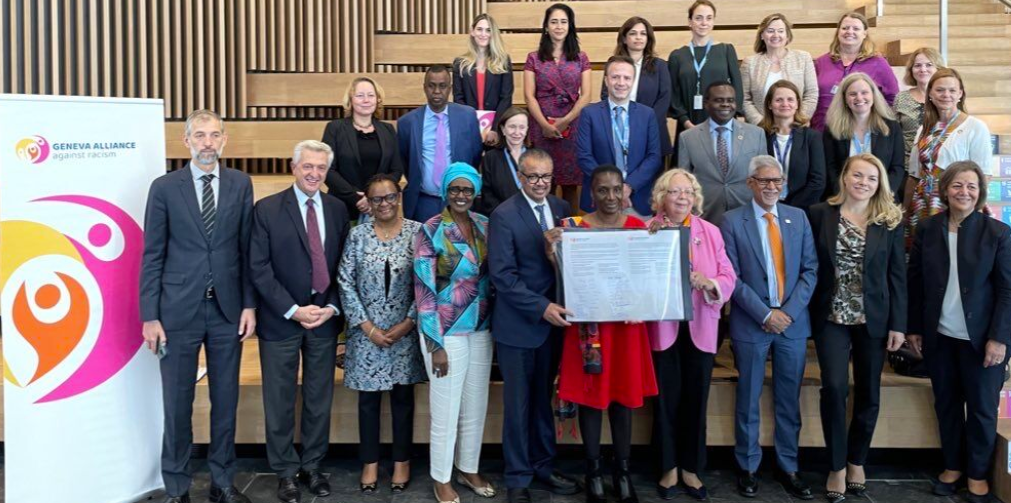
point(624, 274)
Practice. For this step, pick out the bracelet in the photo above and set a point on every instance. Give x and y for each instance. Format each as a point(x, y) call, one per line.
point(372, 331)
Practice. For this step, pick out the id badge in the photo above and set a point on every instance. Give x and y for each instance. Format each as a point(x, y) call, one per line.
point(698, 102)
point(835, 89)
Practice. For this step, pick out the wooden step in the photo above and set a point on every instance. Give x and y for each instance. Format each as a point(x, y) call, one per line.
point(250, 139)
point(975, 8)
point(932, 20)
point(908, 44)
point(885, 32)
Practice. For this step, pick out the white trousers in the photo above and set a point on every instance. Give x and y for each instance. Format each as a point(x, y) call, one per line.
point(459, 404)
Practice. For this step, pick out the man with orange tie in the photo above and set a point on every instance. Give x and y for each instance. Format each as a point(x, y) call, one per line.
point(772, 249)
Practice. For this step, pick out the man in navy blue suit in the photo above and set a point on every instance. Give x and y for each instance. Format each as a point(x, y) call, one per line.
point(772, 249)
point(431, 138)
point(526, 326)
point(621, 132)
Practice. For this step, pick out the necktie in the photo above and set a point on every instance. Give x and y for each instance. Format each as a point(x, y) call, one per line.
point(441, 156)
point(541, 218)
point(320, 272)
point(776, 247)
point(722, 154)
point(619, 131)
point(207, 208)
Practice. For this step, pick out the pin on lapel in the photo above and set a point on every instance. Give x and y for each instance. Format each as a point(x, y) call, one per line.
point(740, 137)
point(787, 220)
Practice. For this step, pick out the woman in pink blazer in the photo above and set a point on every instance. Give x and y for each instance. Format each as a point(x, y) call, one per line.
point(680, 414)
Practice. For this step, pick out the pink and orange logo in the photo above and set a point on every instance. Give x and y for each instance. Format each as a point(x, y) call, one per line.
point(72, 296)
point(34, 149)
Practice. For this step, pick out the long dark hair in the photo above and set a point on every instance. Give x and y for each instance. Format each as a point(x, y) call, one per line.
point(648, 54)
point(571, 45)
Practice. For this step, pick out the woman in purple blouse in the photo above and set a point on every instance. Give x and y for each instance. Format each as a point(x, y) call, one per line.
point(850, 51)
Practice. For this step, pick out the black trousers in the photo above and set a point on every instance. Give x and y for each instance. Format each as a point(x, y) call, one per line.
point(835, 345)
point(211, 329)
point(966, 397)
point(591, 423)
point(279, 361)
point(683, 374)
point(402, 407)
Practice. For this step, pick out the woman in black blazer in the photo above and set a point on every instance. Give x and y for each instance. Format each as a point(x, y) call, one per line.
point(500, 167)
point(858, 121)
point(637, 41)
point(960, 317)
point(858, 308)
point(363, 146)
point(797, 147)
point(487, 63)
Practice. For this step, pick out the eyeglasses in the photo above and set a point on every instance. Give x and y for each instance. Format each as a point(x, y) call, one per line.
point(390, 198)
point(538, 178)
point(767, 182)
point(456, 191)
point(679, 192)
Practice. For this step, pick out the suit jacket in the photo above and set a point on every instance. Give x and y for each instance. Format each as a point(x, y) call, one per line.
point(464, 139)
point(595, 147)
point(805, 177)
point(884, 279)
point(347, 176)
point(523, 279)
point(498, 89)
point(282, 266)
point(890, 150)
point(179, 257)
point(654, 91)
point(797, 67)
point(698, 155)
point(751, 294)
point(497, 179)
point(984, 278)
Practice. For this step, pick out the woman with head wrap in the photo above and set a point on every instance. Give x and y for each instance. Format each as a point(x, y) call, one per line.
point(451, 292)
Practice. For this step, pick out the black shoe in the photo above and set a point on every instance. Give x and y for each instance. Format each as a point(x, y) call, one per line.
point(316, 482)
point(227, 495)
point(856, 489)
point(622, 482)
point(747, 484)
point(794, 485)
point(519, 495)
point(594, 482)
point(698, 494)
point(399, 487)
point(667, 493)
point(559, 484)
point(945, 488)
point(978, 498)
point(185, 498)
point(834, 497)
point(287, 490)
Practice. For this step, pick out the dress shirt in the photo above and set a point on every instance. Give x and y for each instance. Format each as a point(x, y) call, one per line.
point(547, 209)
point(770, 80)
point(317, 202)
point(952, 322)
point(729, 135)
point(770, 265)
point(611, 105)
point(198, 184)
point(430, 124)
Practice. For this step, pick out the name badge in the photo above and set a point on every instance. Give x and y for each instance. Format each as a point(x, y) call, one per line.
point(835, 89)
point(698, 102)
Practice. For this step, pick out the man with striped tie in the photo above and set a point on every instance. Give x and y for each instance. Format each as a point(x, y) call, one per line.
point(195, 290)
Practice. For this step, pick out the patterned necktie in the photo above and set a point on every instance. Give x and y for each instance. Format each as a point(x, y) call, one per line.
point(722, 154)
point(776, 247)
point(619, 147)
point(320, 272)
point(541, 219)
point(441, 159)
point(207, 208)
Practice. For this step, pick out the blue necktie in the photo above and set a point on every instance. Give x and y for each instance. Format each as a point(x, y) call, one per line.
point(541, 217)
point(619, 147)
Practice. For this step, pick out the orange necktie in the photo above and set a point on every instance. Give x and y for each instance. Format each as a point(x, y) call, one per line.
point(776, 246)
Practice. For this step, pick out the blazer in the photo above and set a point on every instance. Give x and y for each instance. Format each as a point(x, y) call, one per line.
point(282, 266)
point(464, 139)
point(797, 67)
point(498, 183)
point(345, 178)
point(498, 89)
point(709, 257)
point(654, 91)
point(805, 176)
point(595, 147)
point(179, 256)
point(884, 279)
point(984, 278)
point(751, 294)
point(890, 150)
point(523, 279)
point(698, 155)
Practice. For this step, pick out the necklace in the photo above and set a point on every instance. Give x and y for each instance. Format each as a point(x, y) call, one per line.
point(362, 127)
point(385, 234)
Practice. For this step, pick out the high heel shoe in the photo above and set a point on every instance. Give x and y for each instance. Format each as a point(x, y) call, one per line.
point(594, 482)
point(622, 481)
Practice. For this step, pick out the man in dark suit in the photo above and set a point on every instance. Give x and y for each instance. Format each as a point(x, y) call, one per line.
point(621, 132)
point(525, 326)
point(298, 236)
point(772, 249)
point(431, 138)
point(195, 290)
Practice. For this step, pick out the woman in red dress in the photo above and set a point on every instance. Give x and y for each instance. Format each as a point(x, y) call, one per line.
point(606, 366)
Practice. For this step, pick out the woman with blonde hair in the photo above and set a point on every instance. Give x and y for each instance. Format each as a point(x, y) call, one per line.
point(858, 308)
point(860, 121)
point(908, 106)
point(852, 50)
point(483, 77)
point(773, 62)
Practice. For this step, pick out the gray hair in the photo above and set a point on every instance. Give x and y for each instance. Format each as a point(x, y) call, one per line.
point(763, 161)
point(314, 146)
point(200, 116)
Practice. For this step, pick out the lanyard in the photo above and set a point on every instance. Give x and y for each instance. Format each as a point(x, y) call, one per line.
point(512, 165)
point(782, 156)
point(621, 134)
point(865, 145)
point(699, 65)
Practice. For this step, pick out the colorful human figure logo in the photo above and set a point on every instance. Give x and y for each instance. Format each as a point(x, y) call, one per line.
point(34, 149)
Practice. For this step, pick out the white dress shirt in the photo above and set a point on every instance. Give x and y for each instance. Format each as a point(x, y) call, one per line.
point(317, 202)
point(547, 210)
